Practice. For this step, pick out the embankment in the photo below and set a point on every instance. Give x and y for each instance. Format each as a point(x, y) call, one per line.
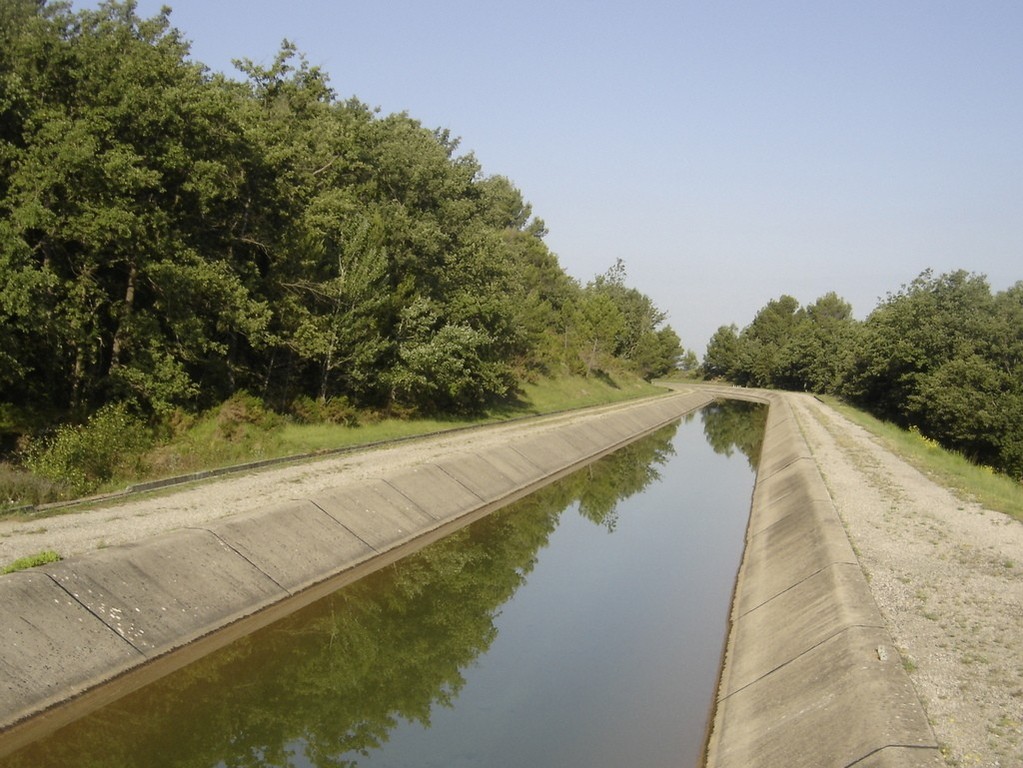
point(810, 677)
point(136, 611)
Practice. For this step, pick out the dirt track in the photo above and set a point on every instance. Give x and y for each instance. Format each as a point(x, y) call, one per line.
point(945, 574)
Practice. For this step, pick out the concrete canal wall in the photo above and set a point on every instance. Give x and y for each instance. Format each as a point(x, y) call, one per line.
point(810, 677)
point(71, 626)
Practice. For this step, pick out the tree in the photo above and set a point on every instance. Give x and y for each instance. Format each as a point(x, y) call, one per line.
point(818, 354)
point(943, 355)
point(930, 322)
point(541, 296)
point(721, 359)
point(958, 403)
point(657, 353)
point(599, 322)
point(128, 150)
point(787, 346)
point(1006, 355)
point(640, 341)
point(444, 366)
point(169, 237)
point(339, 320)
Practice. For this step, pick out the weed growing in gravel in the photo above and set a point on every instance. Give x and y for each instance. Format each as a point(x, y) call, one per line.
point(31, 561)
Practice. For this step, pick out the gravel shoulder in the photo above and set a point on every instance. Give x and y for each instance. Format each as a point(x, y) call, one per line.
point(947, 576)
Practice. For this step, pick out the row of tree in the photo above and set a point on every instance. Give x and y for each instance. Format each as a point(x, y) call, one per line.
point(944, 355)
point(169, 236)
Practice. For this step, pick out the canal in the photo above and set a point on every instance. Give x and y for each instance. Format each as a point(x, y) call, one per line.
point(581, 626)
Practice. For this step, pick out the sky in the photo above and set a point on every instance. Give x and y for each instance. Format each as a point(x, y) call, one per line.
point(728, 151)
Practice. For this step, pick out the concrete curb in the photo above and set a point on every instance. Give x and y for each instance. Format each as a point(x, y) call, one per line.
point(810, 675)
point(70, 627)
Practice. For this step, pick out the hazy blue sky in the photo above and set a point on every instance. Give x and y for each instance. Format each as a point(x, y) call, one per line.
point(728, 152)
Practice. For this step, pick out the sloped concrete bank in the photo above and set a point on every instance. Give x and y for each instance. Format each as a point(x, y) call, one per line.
point(810, 675)
point(133, 612)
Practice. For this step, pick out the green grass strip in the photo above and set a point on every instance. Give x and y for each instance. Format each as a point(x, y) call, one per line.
point(969, 481)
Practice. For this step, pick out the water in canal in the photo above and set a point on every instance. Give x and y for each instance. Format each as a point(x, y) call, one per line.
point(582, 626)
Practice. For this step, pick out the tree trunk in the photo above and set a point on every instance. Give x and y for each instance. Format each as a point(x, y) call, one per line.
point(129, 304)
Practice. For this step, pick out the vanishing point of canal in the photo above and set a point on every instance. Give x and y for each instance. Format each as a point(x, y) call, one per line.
point(580, 626)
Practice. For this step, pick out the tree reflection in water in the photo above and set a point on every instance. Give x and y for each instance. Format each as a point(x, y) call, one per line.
point(731, 425)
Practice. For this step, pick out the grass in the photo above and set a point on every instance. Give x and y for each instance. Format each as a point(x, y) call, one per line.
point(552, 395)
point(207, 444)
point(243, 432)
point(967, 480)
point(31, 561)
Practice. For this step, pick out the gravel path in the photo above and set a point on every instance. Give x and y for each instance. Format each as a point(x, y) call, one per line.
point(946, 576)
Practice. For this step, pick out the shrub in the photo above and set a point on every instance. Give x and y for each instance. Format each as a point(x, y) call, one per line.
point(304, 410)
point(19, 487)
point(83, 457)
point(240, 411)
point(336, 410)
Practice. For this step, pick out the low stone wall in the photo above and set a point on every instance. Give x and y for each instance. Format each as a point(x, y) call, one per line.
point(810, 675)
point(71, 626)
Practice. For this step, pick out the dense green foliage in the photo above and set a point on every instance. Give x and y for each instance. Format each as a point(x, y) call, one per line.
point(944, 355)
point(170, 237)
